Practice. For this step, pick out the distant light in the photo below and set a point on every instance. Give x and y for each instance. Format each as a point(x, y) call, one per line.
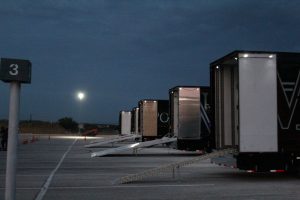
point(180, 88)
point(246, 55)
point(236, 58)
point(198, 89)
point(154, 101)
point(217, 67)
point(145, 101)
point(271, 56)
point(80, 96)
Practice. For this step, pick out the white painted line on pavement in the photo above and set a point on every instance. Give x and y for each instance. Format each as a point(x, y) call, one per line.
point(122, 186)
point(71, 174)
point(47, 183)
point(33, 188)
point(134, 186)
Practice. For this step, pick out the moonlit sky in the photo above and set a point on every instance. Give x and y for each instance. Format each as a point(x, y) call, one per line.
point(122, 51)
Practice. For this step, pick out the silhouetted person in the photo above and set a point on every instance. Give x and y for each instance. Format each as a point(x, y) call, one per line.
point(4, 137)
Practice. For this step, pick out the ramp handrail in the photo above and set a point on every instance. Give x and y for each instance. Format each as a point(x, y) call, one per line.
point(119, 139)
point(134, 146)
point(173, 166)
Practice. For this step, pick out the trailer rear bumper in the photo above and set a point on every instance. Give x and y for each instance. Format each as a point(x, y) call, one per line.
point(267, 162)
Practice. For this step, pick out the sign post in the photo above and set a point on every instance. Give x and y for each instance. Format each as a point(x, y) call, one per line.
point(15, 71)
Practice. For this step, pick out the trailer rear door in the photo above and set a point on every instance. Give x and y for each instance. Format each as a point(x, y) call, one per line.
point(149, 118)
point(258, 103)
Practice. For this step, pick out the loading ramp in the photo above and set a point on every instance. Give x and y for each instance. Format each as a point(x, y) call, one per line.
point(107, 138)
point(173, 166)
point(134, 146)
point(99, 143)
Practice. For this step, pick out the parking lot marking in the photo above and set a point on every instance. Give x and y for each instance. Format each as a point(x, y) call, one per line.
point(122, 186)
point(135, 186)
point(48, 182)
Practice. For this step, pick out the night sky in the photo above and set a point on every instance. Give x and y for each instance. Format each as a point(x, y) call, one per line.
point(120, 52)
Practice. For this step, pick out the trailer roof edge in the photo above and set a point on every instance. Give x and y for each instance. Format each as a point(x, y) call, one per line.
point(189, 86)
point(235, 52)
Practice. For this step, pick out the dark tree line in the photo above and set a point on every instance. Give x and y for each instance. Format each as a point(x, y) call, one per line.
point(68, 123)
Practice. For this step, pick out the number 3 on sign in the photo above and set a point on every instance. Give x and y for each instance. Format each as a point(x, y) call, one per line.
point(13, 69)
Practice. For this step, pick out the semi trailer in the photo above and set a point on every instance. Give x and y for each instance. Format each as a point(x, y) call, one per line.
point(189, 117)
point(255, 103)
point(154, 118)
point(125, 122)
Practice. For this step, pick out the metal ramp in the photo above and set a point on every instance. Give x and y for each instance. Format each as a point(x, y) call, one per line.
point(107, 138)
point(134, 146)
point(172, 167)
point(99, 143)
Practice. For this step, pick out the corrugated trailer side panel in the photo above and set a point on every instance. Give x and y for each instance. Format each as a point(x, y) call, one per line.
point(224, 104)
point(185, 112)
point(189, 117)
point(227, 97)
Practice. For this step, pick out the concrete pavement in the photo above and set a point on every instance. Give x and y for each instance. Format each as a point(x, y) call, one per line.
point(80, 177)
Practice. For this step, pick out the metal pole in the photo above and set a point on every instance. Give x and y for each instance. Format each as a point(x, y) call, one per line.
point(13, 126)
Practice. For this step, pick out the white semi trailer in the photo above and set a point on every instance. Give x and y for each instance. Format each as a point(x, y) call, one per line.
point(154, 118)
point(189, 120)
point(125, 122)
point(256, 109)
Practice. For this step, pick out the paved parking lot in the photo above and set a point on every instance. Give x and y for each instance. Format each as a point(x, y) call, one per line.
point(77, 176)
